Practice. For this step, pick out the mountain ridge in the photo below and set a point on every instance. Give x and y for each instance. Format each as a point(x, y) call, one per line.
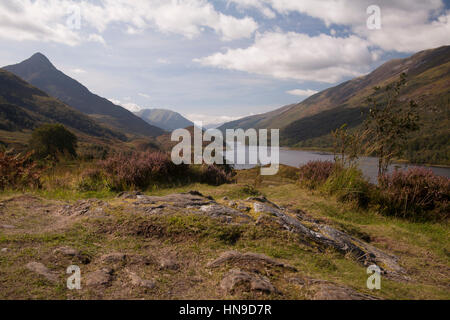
point(25, 107)
point(164, 118)
point(309, 123)
point(41, 73)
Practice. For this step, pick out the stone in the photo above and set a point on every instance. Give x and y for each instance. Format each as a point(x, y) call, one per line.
point(236, 280)
point(243, 207)
point(112, 258)
point(6, 226)
point(217, 210)
point(330, 291)
point(42, 270)
point(263, 208)
point(72, 253)
point(129, 195)
point(139, 282)
point(67, 251)
point(99, 278)
point(3, 250)
point(168, 262)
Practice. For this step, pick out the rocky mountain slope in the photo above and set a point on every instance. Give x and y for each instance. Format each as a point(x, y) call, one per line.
point(40, 72)
point(165, 119)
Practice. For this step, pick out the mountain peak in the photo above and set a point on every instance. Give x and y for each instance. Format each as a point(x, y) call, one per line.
point(38, 59)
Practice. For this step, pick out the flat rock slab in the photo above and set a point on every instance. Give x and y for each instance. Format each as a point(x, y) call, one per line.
point(331, 291)
point(217, 210)
point(42, 270)
point(180, 200)
point(240, 281)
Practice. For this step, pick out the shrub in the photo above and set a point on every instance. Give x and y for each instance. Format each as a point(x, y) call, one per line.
point(349, 185)
point(215, 175)
point(414, 193)
point(140, 169)
point(19, 171)
point(315, 173)
point(53, 140)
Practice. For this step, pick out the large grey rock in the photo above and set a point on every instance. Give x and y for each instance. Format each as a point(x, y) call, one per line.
point(326, 236)
point(217, 210)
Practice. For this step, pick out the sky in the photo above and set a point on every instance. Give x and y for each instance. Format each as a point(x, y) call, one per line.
point(218, 60)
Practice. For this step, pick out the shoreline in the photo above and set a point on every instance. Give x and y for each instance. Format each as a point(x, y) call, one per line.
point(399, 161)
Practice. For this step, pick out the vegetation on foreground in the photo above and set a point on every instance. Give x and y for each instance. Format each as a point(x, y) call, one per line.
point(224, 241)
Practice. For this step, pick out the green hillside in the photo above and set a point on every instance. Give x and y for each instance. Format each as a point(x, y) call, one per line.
point(23, 107)
point(41, 73)
point(309, 123)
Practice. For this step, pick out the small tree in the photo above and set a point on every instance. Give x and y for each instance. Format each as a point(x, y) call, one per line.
point(347, 146)
point(53, 140)
point(389, 123)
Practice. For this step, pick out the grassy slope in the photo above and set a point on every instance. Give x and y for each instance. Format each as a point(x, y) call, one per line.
point(422, 247)
point(309, 123)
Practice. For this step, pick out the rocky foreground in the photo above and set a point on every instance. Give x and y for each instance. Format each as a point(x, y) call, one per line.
point(173, 247)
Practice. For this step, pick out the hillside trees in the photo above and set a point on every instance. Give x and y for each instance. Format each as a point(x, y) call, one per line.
point(52, 141)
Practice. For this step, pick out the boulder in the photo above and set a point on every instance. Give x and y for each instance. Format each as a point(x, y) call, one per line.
point(240, 281)
point(99, 278)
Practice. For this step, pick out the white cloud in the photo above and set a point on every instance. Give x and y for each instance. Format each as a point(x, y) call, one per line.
point(46, 20)
point(96, 38)
point(258, 4)
point(78, 71)
point(302, 93)
point(209, 120)
point(144, 95)
point(25, 20)
point(407, 25)
point(297, 56)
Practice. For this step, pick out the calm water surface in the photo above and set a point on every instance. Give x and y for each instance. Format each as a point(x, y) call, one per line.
point(368, 165)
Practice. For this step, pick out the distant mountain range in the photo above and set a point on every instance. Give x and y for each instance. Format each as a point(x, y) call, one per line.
point(309, 123)
point(165, 119)
point(23, 106)
point(41, 73)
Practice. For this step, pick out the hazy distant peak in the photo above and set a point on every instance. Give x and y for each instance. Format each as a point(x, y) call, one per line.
point(163, 118)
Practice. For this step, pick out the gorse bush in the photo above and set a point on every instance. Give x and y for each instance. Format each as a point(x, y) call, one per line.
point(349, 185)
point(315, 173)
point(415, 193)
point(19, 171)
